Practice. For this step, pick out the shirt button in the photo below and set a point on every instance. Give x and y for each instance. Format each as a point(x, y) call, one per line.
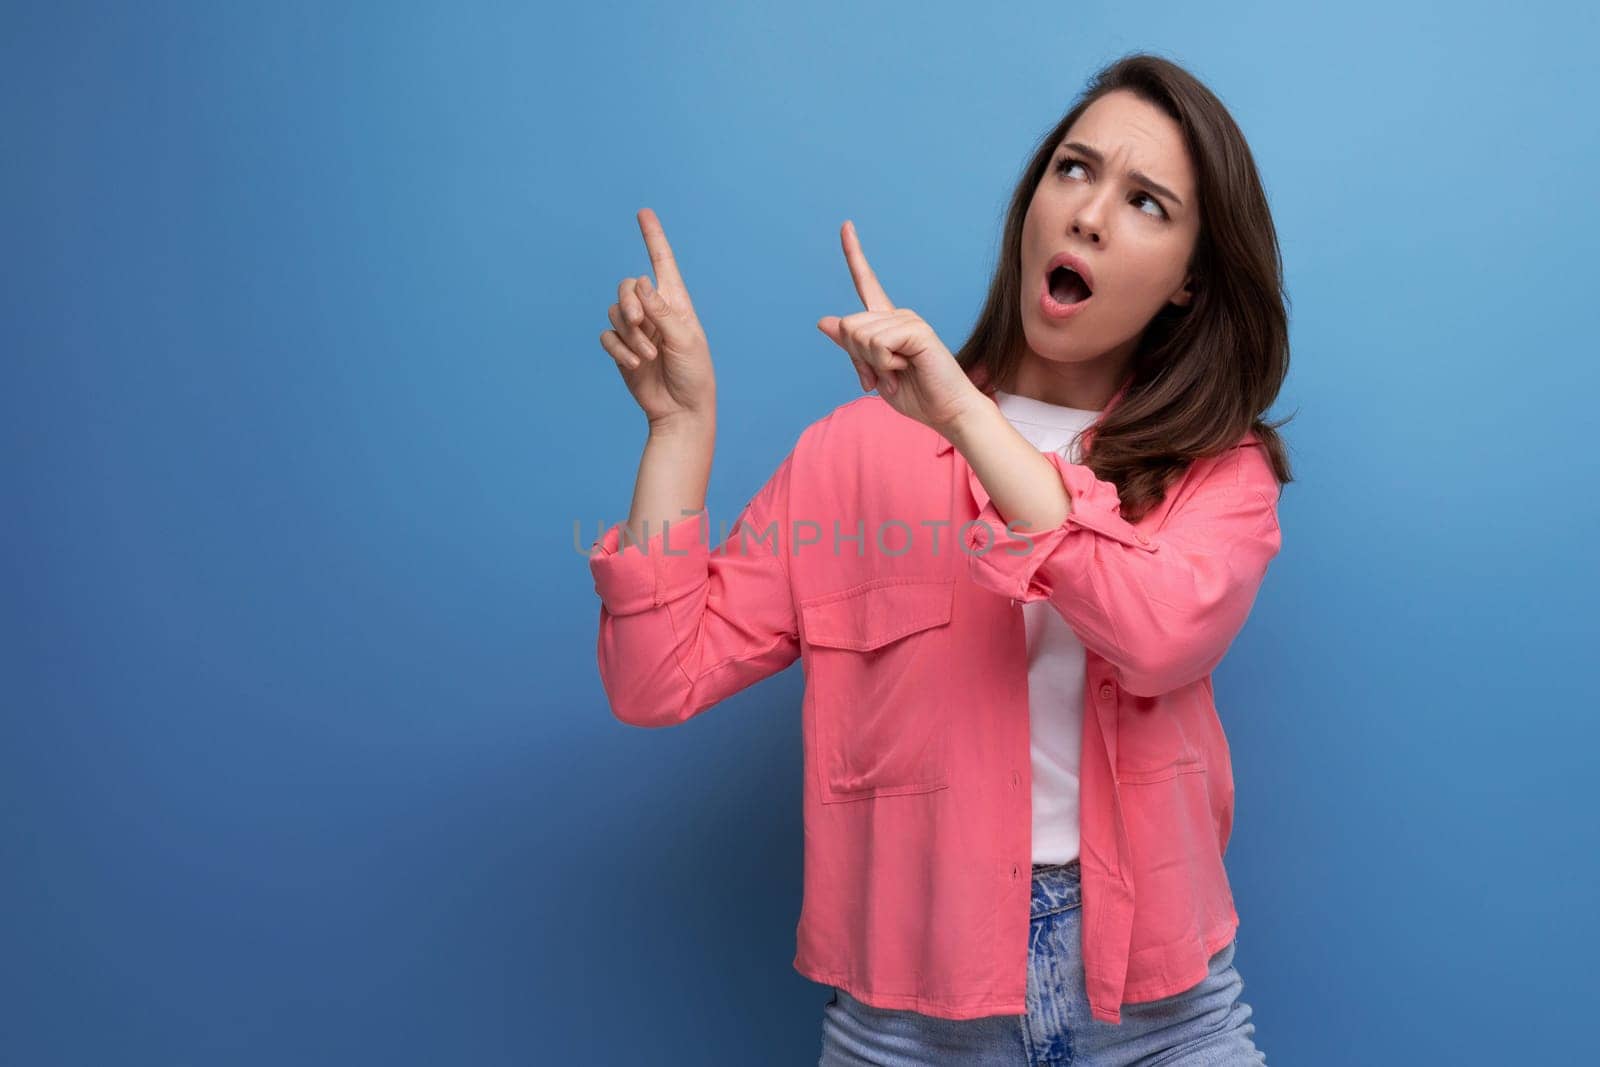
point(1013, 872)
point(1107, 691)
point(1143, 540)
point(1016, 779)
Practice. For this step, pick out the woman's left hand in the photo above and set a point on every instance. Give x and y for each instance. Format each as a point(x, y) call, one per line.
point(897, 352)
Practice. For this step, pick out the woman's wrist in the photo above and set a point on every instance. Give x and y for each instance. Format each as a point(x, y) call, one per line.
point(1022, 484)
point(674, 472)
point(975, 419)
point(695, 425)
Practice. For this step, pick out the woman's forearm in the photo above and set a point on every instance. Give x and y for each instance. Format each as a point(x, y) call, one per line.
point(1023, 485)
point(673, 474)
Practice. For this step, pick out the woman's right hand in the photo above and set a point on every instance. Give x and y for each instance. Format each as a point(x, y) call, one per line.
point(656, 339)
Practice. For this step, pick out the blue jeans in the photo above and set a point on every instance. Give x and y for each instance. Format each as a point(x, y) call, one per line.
point(1205, 1025)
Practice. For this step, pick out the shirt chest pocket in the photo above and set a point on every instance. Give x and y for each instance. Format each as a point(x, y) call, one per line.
point(873, 654)
point(1156, 740)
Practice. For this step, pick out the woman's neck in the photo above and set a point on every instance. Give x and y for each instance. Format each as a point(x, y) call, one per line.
point(1087, 387)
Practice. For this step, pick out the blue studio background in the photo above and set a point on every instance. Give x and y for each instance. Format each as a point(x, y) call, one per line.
point(303, 754)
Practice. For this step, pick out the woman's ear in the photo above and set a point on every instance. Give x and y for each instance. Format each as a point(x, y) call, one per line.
point(1183, 296)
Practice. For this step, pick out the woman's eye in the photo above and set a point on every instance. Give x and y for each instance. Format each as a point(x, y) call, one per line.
point(1066, 163)
point(1153, 200)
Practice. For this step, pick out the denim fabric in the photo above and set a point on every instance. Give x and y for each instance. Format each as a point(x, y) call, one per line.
point(1204, 1026)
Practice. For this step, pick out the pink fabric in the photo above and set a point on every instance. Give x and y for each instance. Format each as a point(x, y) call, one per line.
point(917, 787)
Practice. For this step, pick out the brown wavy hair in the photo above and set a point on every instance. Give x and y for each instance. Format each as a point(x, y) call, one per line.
point(1202, 376)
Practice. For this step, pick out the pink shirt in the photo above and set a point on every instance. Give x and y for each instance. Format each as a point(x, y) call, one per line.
point(862, 558)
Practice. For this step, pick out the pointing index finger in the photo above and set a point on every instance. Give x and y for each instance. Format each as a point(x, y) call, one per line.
point(872, 295)
point(661, 257)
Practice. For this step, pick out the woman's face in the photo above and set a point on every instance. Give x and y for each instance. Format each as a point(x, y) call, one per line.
point(1134, 234)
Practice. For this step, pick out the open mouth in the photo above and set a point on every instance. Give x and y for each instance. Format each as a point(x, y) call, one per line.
point(1067, 287)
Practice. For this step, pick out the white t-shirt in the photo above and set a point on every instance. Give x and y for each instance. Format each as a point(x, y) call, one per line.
point(1055, 659)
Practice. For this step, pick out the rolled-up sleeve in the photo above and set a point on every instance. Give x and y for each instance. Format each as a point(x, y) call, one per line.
point(1164, 606)
point(683, 625)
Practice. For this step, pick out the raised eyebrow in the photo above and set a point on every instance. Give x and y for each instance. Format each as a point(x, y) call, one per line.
point(1137, 175)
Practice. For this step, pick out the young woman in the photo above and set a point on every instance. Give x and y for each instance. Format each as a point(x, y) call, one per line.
point(1017, 788)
